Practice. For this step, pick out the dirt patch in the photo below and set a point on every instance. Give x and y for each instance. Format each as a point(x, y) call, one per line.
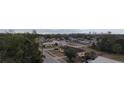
point(50, 53)
point(57, 53)
point(114, 56)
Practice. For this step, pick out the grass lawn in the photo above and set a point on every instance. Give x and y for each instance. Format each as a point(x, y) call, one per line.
point(118, 57)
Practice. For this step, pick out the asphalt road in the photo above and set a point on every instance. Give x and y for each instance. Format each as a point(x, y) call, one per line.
point(101, 59)
point(49, 58)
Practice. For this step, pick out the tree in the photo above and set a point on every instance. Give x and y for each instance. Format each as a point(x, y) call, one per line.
point(34, 32)
point(117, 48)
point(89, 55)
point(111, 44)
point(20, 48)
point(70, 53)
point(109, 32)
point(56, 44)
point(93, 45)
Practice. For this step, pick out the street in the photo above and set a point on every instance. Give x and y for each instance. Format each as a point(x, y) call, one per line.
point(49, 58)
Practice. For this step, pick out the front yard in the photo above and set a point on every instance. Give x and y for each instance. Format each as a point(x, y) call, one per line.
point(118, 57)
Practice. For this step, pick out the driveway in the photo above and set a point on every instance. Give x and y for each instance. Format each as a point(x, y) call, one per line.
point(101, 59)
point(49, 58)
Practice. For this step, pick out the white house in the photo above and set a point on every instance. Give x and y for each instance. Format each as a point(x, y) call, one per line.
point(85, 42)
point(60, 43)
point(81, 54)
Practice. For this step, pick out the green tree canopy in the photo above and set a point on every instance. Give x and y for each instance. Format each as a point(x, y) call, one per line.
point(117, 48)
point(70, 53)
point(19, 48)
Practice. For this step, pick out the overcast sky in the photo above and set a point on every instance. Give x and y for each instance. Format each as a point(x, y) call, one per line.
point(66, 31)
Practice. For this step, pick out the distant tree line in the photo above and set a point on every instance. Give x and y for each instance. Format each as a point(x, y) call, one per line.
point(78, 35)
point(67, 36)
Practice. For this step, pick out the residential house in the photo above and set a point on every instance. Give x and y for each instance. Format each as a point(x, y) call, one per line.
point(59, 43)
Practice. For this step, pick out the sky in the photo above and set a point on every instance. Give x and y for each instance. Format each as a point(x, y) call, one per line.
point(66, 31)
